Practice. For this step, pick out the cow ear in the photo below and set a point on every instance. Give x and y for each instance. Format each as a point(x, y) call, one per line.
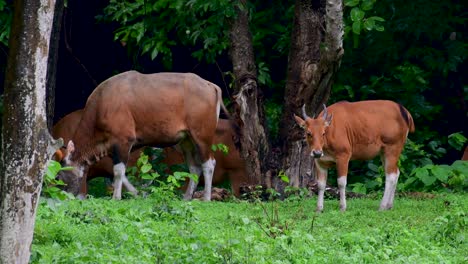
point(300, 122)
point(70, 147)
point(328, 120)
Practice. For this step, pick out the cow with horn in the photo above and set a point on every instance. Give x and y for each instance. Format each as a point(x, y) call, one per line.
point(357, 131)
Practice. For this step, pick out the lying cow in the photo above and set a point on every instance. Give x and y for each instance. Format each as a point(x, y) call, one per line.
point(357, 131)
point(130, 110)
point(228, 167)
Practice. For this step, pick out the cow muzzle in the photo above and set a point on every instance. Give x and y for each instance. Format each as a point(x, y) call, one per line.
point(316, 153)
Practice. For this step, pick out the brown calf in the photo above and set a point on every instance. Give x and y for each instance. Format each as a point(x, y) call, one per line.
point(131, 110)
point(357, 131)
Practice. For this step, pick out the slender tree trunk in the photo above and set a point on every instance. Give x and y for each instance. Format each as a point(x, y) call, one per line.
point(254, 143)
point(314, 58)
point(26, 144)
point(52, 62)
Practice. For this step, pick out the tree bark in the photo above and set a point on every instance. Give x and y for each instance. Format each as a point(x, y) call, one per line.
point(314, 58)
point(254, 143)
point(26, 144)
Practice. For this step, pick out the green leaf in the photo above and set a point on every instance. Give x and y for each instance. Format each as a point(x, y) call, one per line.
point(441, 172)
point(147, 176)
point(367, 4)
point(351, 3)
point(146, 168)
point(357, 14)
point(154, 53)
point(369, 24)
point(423, 175)
point(376, 18)
point(457, 140)
point(357, 27)
point(373, 167)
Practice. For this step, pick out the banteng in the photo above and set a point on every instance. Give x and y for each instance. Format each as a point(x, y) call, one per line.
point(229, 166)
point(357, 131)
point(131, 109)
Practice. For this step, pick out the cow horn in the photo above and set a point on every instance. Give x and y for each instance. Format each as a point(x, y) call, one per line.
point(325, 112)
point(304, 114)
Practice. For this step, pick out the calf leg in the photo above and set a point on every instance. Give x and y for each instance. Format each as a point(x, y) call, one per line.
point(391, 179)
point(342, 171)
point(322, 174)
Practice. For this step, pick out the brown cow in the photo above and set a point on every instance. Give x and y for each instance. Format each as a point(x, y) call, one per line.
point(357, 131)
point(65, 129)
point(229, 166)
point(131, 109)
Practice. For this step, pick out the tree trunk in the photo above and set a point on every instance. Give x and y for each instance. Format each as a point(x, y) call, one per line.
point(314, 58)
point(52, 62)
point(254, 143)
point(26, 142)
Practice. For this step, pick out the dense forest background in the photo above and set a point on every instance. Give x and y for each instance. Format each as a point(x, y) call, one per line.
point(412, 52)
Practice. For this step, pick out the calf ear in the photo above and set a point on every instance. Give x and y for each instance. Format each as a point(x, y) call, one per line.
point(328, 120)
point(300, 122)
point(58, 155)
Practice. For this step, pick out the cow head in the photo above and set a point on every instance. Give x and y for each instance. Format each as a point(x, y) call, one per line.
point(72, 178)
point(314, 129)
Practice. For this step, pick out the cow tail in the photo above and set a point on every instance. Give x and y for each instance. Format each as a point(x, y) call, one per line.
point(234, 126)
point(407, 117)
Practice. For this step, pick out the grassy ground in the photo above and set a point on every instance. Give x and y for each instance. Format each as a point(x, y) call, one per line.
point(150, 231)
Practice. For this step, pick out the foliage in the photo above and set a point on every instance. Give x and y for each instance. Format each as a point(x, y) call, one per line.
point(148, 27)
point(151, 174)
point(51, 183)
point(154, 231)
point(357, 20)
point(437, 177)
point(6, 15)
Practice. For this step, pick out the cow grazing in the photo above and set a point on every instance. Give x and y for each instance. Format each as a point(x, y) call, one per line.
point(131, 109)
point(228, 167)
point(357, 131)
point(65, 128)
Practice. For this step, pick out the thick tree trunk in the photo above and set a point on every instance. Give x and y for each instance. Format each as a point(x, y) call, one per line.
point(26, 142)
point(314, 58)
point(254, 143)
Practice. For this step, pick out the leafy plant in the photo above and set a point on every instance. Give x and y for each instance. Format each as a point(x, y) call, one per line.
point(154, 175)
point(437, 177)
point(51, 183)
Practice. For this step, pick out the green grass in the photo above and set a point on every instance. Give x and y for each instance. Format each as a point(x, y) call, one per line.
point(150, 231)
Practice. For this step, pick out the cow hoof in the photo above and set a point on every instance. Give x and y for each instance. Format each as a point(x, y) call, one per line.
point(385, 208)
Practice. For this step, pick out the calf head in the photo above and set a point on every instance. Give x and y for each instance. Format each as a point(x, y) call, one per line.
point(314, 129)
point(72, 178)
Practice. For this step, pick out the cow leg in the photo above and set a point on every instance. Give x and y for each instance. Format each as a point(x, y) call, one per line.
point(194, 168)
point(208, 170)
point(322, 174)
point(391, 178)
point(342, 172)
point(120, 154)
